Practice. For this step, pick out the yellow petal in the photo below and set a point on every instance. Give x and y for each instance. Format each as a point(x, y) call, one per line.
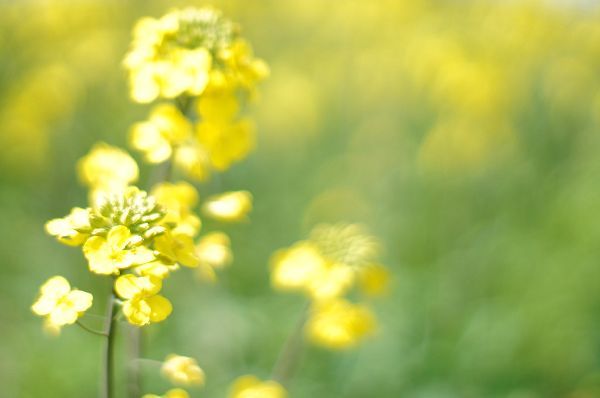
point(80, 300)
point(118, 236)
point(230, 206)
point(160, 307)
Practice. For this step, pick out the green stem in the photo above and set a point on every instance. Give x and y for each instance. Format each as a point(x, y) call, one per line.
point(291, 352)
point(110, 331)
point(134, 385)
point(90, 330)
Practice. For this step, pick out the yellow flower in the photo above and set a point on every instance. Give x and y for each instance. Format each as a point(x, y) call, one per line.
point(106, 167)
point(166, 128)
point(302, 267)
point(142, 304)
point(59, 304)
point(178, 199)
point(251, 387)
point(345, 244)
point(156, 269)
point(339, 324)
point(182, 370)
point(214, 251)
point(194, 160)
point(178, 53)
point(173, 393)
point(73, 229)
point(229, 206)
point(176, 248)
point(114, 253)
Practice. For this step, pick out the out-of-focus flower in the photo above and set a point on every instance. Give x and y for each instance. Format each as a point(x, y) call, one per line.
point(250, 386)
point(194, 160)
point(183, 370)
point(214, 252)
point(165, 129)
point(226, 137)
point(327, 265)
point(178, 200)
point(107, 168)
point(173, 393)
point(72, 230)
point(142, 304)
point(228, 206)
point(187, 50)
point(338, 324)
point(60, 304)
point(116, 252)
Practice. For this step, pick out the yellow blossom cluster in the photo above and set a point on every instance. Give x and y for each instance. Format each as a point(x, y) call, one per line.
point(326, 267)
point(198, 59)
point(140, 238)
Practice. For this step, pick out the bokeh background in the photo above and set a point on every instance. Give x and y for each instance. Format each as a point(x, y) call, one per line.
point(464, 134)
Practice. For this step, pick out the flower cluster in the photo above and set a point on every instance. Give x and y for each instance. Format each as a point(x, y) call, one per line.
point(198, 58)
point(326, 267)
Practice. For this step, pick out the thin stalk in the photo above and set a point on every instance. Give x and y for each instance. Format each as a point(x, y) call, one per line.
point(110, 331)
point(291, 352)
point(90, 330)
point(134, 385)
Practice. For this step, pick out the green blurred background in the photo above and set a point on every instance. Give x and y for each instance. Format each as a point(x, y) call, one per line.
point(464, 134)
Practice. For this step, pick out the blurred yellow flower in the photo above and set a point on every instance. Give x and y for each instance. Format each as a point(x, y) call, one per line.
point(302, 267)
point(156, 269)
point(346, 244)
point(73, 229)
point(338, 324)
point(214, 252)
point(251, 387)
point(193, 160)
point(59, 304)
point(165, 129)
point(114, 253)
point(228, 206)
point(178, 53)
point(107, 168)
point(183, 370)
point(178, 199)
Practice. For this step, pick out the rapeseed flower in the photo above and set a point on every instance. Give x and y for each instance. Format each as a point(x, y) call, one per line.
point(214, 252)
point(183, 370)
point(338, 324)
point(142, 305)
point(178, 200)
point(228, 206)
point(72, 230)
point(60, 304)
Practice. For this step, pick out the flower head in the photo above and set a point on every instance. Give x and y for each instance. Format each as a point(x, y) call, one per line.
point(339, 324)
point(179, 53)
point(142, 304)
point(107, 168)
point(214, 252)
point(182, 370)
point(73, 229)
point(60, 304)
point(252, 387)
point(228, 206)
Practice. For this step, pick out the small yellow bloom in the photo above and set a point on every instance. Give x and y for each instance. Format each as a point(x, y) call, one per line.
point(142, 304)
point(339, 324)
point(176, 248)
point(178, 199)
point(173, 393)
point(59, 304)
point(107, 167)
point(302, 267)
point(146, 310)
point(112, 254)
point(72, 230)
point(229, 206)
point(194, 160)
point(156, 269)
point(183, 370)
point(252, 387)
point(166, 128)
point(214, 251)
